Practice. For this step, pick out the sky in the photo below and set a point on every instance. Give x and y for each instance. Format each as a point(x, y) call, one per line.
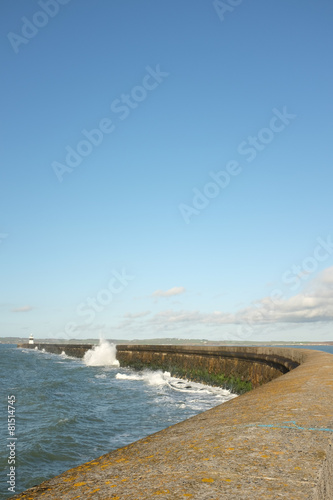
point(166, 169)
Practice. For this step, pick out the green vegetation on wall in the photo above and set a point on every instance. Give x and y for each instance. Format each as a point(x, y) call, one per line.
point(234, 384)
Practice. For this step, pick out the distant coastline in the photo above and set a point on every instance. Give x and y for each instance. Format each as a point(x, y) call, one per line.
point(165, 341)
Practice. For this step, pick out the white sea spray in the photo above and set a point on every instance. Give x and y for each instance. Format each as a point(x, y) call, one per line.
point(102, 355)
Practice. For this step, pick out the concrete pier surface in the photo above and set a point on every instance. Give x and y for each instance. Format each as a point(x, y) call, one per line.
point(270, 443)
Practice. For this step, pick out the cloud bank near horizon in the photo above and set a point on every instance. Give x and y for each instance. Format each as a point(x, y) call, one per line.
point(313, 304)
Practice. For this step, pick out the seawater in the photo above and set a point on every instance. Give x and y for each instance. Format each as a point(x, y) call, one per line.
point(325, 348)
point(69, 411)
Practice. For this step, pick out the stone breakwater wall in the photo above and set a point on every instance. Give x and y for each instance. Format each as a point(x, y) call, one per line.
point(75, 350)
point(255, 367)
point(272, 442)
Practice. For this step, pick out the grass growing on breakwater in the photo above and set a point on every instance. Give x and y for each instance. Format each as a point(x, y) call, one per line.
point(233, 384)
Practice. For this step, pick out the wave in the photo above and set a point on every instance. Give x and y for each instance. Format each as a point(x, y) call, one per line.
point(65, 356)
point(151, 378)
point(123, 376)
point(102, 355)
point(159, 378)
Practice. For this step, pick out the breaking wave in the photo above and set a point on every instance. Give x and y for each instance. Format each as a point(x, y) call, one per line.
point(103, 354)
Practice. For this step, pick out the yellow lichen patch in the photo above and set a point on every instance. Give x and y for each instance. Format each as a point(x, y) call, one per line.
point(161, 492)
point(227, 480)
point(94, 491)
point(79, 484)
point(231, 449)
point(297, 468)
point(126, 479)
point(69, 479)
point(207, 480)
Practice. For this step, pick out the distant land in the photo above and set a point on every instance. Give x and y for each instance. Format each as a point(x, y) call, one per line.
point(159, 341)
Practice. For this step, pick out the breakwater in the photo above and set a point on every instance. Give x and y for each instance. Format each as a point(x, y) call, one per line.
point(76, 350)
point(236, 367)
point(272, 442)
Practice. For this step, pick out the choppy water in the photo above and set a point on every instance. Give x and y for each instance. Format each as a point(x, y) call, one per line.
point(69, 411)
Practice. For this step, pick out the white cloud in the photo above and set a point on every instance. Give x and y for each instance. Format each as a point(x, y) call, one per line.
point(286, 316)
point(177, 290)
point(22, 309)
point(136, 315)
point(193, 317)
point(315, 303)
point(312, 305)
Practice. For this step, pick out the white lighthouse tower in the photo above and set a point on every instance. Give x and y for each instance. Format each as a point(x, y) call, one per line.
point(31, 339)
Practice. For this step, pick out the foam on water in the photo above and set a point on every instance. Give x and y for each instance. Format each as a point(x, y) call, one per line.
point(63, 355)
point(123, 376)
point(151, 378)
point(102, 355)
point(159, 378)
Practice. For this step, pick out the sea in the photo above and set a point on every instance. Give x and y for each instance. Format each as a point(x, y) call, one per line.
point(57, 412)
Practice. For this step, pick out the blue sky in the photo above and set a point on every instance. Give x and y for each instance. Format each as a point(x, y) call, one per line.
point(166, 169)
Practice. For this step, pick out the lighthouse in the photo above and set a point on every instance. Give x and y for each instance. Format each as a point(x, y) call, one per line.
point(31, 339)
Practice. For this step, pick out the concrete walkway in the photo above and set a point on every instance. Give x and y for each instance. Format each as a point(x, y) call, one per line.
point(271, 443)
